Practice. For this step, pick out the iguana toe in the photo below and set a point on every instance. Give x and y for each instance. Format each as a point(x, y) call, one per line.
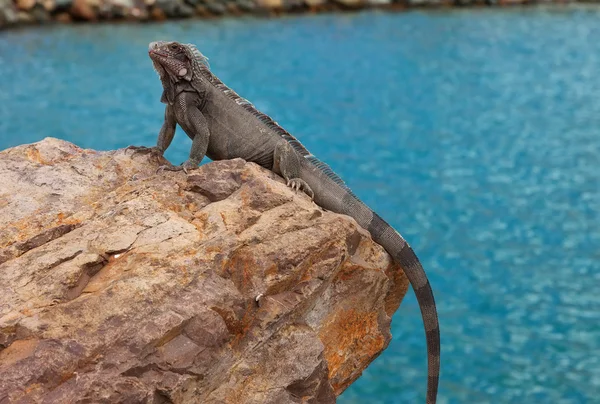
point(168, 168)
point(185, 167)
point(189, 165)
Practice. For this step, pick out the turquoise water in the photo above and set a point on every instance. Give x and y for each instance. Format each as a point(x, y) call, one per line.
point(475, 133)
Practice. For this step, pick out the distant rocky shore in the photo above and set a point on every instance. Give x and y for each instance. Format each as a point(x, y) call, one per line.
point(30, 12)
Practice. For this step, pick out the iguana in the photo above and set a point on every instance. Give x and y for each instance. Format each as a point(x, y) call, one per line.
point(223, 125)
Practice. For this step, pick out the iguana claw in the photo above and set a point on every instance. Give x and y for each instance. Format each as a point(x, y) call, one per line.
point(298, 184)
point(170, 168)
point(144, 149)
point(185, 167)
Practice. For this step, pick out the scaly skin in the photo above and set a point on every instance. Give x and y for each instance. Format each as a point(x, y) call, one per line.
point(222, 125)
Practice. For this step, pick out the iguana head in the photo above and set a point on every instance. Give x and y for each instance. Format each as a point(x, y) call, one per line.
point(172, 60)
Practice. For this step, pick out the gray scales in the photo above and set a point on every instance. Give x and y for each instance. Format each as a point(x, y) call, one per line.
point(223, 125)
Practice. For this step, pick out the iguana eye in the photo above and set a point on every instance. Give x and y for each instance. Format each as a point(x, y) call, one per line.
point(174, 46)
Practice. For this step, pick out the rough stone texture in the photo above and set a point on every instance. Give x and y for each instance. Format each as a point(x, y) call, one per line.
point(8, 13)
point(63, 18)
point(175, 8)
point(83, 10)
point(121, 285)
point(315, 3)
point(272, 4)
point(63, 4)
point(25, 4)
point(351, 3)
point(39, 14)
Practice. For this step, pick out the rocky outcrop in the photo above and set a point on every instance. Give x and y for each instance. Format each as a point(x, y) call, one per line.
point(222, 286)
point(20, 12)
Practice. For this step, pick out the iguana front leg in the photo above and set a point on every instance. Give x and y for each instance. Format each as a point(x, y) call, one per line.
point(167, 131)
point(196, 127)
point(286, 162)
point(165, 136)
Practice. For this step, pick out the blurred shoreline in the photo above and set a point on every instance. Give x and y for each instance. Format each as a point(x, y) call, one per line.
point(19, 13)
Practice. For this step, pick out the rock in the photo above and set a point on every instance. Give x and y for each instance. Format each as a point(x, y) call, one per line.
point(24, 18)
point(8, 13)
point(138, 13)
point(350, 3)
point(157, 14)
point(49, 5)
point(293, 5)
point(63, 18)
point(270, 4)
point(40, 14)
point(113, 10)
point(25, 4)
point(119, 9)
point(194, 3)
point(127, 4)
point(121, 285)
point(83, 10)
point(215, 8)
point(246, 5)
point(175, 8)
point(202, 11)
point(63, 5)
point(378, 3)
point(233, 9)
point(315, 4)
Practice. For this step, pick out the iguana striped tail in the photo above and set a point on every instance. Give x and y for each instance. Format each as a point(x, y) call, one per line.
point(404, 255)
point(332, 194)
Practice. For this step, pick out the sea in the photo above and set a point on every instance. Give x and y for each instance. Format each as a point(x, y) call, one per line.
point(474, 132)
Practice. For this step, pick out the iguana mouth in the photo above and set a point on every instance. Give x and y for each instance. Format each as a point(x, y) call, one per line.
point(157, 53)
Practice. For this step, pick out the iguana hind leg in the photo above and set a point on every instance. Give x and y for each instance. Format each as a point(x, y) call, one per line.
point(286, 162)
